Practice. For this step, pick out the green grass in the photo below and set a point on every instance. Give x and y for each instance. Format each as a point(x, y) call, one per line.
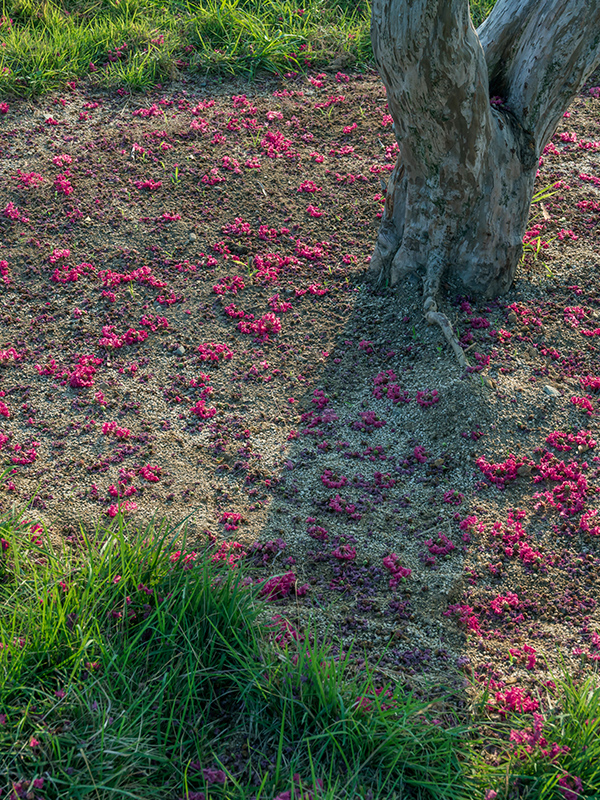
point(124, 670)
point(48, 43)
point(571, 721)
point(127, 668)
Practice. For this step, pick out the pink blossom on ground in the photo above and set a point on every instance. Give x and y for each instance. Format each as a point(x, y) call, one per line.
point(585, 523)
point(585, 404)
point(232, 285)
point(318, 533)
point(214, 776)
point(369, 421)
point(61, 159)
point(13, 212)
point(332, 481)
point(111, 340)
point(267, 325)
point(386, 386)
point(8, 355)
point(58, 254)
point(442, 546)
point(278, 306)
point(344, 553)
point(279, 586)
point(65, 274)
point(420, 454)
point(62, 184)
point(504, 602)
point(398, 572)
point(150, 473)
point(425, 399)
point(152, 111)
point(228, 553)
point(231, 519)
point(571, 787)
point(148, 185)
point(309, 186)
point(200, 410)
point(213, 351)
point(112, 427)
point(466, 616)
point(453, 496)
point(513, 699)
point(83, 374)
point(340, 506)
point(128, 507)
point(212, 177)
point(366, 702)
point(561, 440)
point(502, 472)
point(28, 179)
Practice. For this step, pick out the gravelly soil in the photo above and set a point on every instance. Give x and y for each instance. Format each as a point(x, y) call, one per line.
point(188, 330)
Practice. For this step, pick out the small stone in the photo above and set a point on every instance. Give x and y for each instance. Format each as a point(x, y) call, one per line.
point(512, 317)
point(551, 390)
point(193, 237)
point(180, 350)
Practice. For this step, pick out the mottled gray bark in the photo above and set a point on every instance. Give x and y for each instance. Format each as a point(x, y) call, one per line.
point(458, 198)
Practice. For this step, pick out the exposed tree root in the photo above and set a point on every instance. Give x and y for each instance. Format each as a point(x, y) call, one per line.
point(431, 285)
point(433, 316)
point(383, 261)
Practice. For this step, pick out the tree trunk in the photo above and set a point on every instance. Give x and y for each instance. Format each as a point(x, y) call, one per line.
point(459, 195)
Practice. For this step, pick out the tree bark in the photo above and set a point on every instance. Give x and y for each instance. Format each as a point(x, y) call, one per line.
point(459, 195)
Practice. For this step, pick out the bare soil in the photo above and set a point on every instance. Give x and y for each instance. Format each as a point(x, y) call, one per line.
point(296, 441)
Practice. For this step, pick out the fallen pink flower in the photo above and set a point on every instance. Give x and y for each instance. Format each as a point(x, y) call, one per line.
point(62, 184)
point(149, 185)
point(309, 186)
point(398, 572)
point(150, 473)
point(212, 351)
point(200, 410)
point(281, 586)
point(267, 325)
point(83, 374)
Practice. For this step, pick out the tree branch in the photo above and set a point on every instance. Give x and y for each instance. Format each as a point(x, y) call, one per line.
point(539, 53)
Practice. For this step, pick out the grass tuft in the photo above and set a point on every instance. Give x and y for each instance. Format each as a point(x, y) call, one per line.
point(132, 668)
point(134, 44)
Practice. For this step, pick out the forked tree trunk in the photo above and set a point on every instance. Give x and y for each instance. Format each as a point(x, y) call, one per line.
point(458, 198)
